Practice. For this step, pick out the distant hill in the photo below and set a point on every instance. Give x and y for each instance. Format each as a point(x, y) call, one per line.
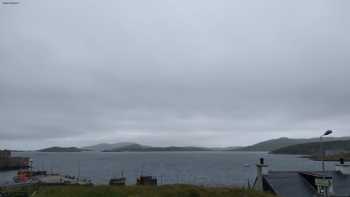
point(106, 146)
point(335, 157)
point(62, 149)
point(278, 143)
point(230, 148)
point(134, 147)
point(314, 148)
point(141, 148)
point(267, 146)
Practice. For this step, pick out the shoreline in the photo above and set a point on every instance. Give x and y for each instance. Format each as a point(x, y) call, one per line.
point(327, 158)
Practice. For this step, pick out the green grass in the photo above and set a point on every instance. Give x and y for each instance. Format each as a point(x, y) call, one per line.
point(146, 191)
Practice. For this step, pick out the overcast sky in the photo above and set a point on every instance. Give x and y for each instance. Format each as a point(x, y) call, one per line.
point(172, 72)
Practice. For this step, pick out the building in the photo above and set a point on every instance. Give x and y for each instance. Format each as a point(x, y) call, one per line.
point(7, 162)
point(334, 183)
point(5, 154)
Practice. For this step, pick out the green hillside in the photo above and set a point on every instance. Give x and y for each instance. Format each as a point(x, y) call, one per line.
point(62, 149)
point(273, 144)
point(140, 148)
point(335, 157)
point(314, 148)
point(278, 143)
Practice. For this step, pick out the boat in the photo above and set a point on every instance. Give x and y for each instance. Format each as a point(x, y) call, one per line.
point(117, 181)
point(146, 180)
point(57, 179)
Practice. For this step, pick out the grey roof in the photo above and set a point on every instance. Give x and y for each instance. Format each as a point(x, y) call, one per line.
point(289, 184)
point(341, 183)
point(293, 184)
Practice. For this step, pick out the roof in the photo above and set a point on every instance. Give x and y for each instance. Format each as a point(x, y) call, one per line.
point(294, 183)
point(289, 184)
point(341, 183)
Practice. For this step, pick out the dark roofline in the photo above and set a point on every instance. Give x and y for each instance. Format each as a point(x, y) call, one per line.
point(268, 186)
point(316, 174)
point(308, 184)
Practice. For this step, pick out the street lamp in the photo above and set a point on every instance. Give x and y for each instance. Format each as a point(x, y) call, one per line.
point(328, 132)
point(323, 186)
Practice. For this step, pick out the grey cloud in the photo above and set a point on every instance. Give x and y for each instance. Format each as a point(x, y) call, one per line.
point(160, 72)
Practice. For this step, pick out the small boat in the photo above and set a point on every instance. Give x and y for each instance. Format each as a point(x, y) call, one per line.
point(118, 181)
point(146, 180)
point(57, 179)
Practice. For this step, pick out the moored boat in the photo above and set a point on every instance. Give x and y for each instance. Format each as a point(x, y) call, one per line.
point(118, 181)
point(146, 180)
point(121, 181)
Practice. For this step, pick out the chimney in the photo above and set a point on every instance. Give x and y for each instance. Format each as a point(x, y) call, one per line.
point(342, 167)
point(261, 168)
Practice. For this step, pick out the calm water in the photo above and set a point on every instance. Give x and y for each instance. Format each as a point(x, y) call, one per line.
point(202, 168)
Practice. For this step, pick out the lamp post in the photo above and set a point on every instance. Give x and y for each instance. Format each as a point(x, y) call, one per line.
point(325, 189)
point(328, 132)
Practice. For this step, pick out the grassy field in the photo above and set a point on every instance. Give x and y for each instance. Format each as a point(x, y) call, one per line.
point(144, 191)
